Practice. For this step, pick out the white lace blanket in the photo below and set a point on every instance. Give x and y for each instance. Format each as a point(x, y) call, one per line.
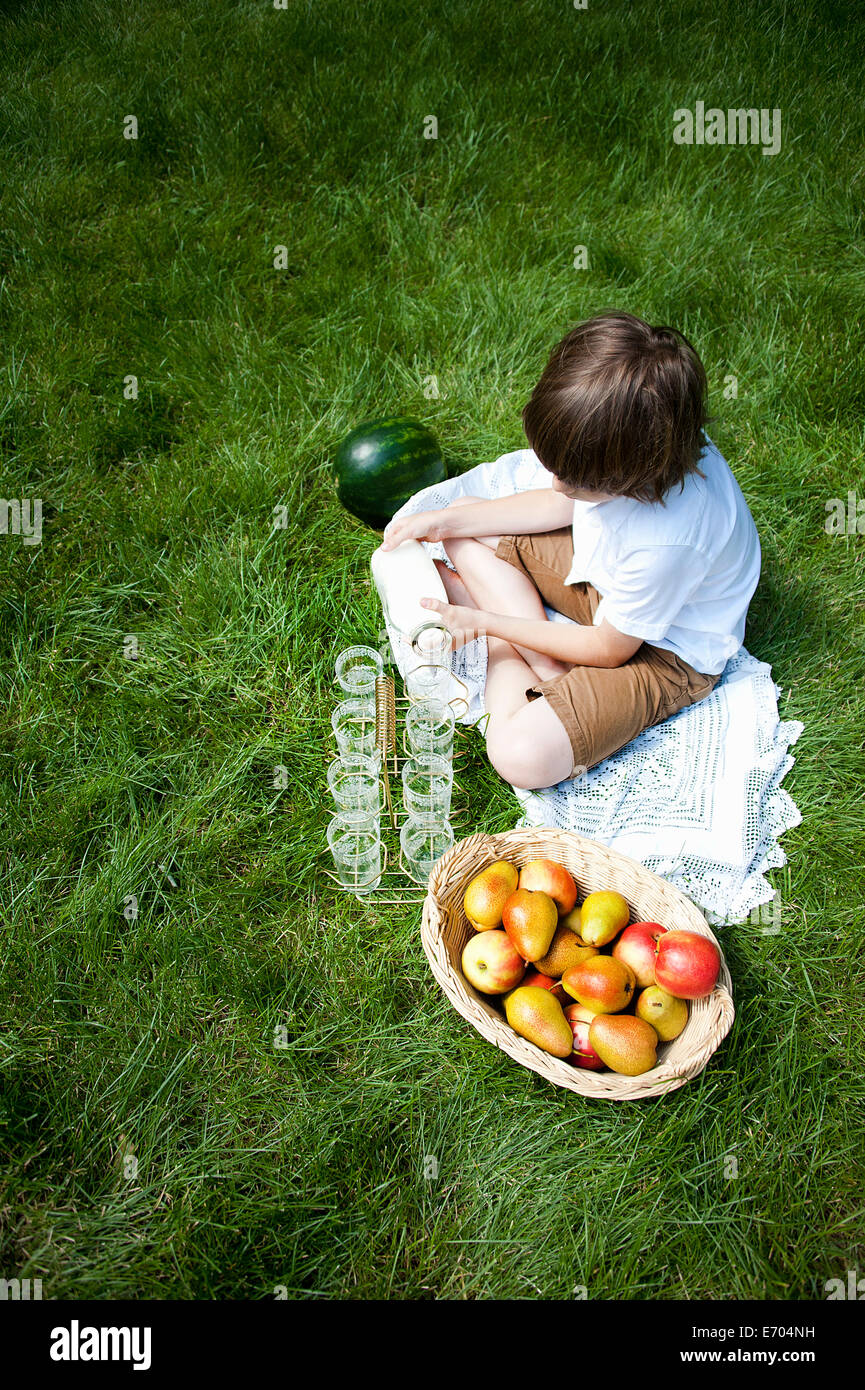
point(698, 798)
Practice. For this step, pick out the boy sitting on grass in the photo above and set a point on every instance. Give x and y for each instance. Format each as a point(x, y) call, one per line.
point(643, 537)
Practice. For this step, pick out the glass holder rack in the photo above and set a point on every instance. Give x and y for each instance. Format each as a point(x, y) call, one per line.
point(397, 885)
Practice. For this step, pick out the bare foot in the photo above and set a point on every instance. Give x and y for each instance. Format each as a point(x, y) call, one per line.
point(454, 586)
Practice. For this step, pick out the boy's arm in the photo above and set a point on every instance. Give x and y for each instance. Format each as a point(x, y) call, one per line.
point(581, 644)
point(523, 513)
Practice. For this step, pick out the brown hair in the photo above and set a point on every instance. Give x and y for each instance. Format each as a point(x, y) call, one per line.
point(620, 408)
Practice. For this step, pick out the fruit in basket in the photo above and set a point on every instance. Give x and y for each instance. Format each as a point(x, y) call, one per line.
point(626, 1044)
point(580, 1012)
point(583, 1055)
point(571, 920)
point(687, 964)
point(566, 949)
point(530, 921)
point(602, 983)
point(491, 962)
point(537, 1016)
point(535, 977)
point(636, 947)
point(487, 894)
point(545, 876)
point(602, 917)
point(666, 1014)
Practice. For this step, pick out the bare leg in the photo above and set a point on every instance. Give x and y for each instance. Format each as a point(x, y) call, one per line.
point(526, 741)
point(498, 587)
point(454, 586)
point(508, 679)
point(530, 746)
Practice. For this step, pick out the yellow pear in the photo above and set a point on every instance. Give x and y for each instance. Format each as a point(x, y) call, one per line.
point(571, 920)
point(530, 921)
point(624, 1043)
point(667, 1014)
point(566, 949)
point(602, 983)
point(487, 894)
point(537, 1016)
point(602, 917)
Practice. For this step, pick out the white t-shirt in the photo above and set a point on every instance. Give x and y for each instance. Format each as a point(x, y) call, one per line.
point(680, 574)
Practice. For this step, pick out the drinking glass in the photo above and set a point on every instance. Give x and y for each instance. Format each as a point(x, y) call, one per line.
point(433, 645)
point(429, 727)
point(353, 723)
point(356, 848)
point(423, 842)
point(354, 784)
point(428, 682)
point(357, 669)
point(429, 676)
point(427, 782)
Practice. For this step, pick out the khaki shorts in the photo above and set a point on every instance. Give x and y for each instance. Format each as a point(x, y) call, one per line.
point(601, 709)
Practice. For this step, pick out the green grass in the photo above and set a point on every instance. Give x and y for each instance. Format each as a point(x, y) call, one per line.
point(304, 1166)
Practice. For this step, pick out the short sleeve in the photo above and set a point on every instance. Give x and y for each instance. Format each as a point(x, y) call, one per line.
point(650, 586)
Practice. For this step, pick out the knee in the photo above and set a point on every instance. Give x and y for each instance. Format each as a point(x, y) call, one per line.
point(515, 756)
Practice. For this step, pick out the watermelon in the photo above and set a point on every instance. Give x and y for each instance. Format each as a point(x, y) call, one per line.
point(383, 463)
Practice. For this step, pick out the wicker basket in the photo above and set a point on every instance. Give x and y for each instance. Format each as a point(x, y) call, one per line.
point(445, 931)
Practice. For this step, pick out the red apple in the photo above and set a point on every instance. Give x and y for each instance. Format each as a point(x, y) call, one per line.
point(492, 963)
point(687, 964)
point(545, 876)
point(580, 1012)
point(534, 977)
point(636, 947)
point(583, 1055)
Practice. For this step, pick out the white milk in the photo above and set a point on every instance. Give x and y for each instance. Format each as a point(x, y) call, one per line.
point(403, 576)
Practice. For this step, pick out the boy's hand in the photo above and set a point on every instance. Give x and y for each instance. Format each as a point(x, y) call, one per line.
point(423, 526)
point(464, 624)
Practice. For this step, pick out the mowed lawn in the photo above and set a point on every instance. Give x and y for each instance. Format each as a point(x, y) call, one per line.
point(166, 916)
